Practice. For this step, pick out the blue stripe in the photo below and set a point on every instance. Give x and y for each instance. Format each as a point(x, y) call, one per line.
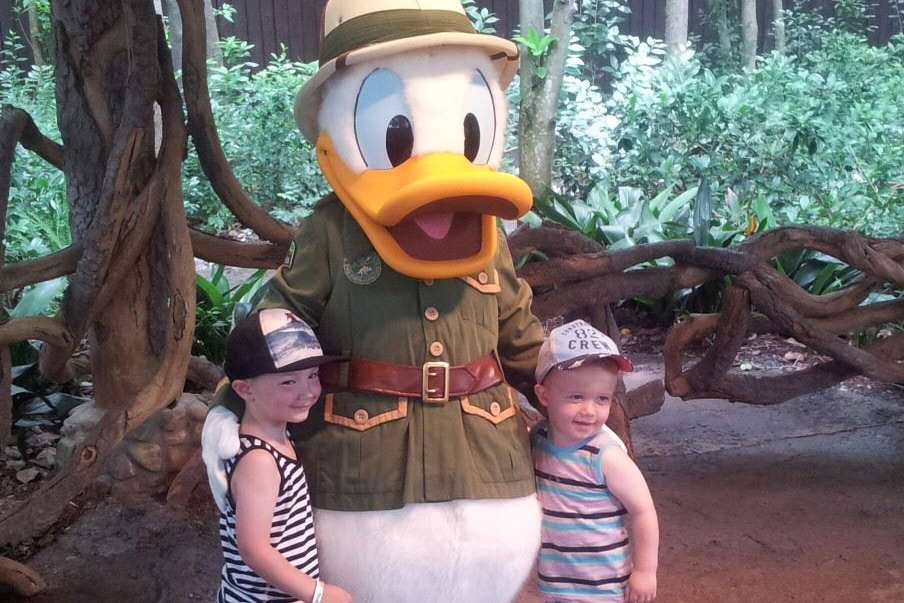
point(582, 526)
point(577, 590)
point(575, 457)
point(595, 558)
point(597, 496)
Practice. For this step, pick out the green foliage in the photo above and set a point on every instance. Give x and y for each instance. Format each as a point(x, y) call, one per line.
point(38, 214)
point(43, 40)
point(818, 140)
point(219, 305)
point(623, 220)
point(483, 19)
point(253, 110)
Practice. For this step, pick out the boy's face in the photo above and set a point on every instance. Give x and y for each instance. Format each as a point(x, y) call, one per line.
point(282, 396)
point(578, 400)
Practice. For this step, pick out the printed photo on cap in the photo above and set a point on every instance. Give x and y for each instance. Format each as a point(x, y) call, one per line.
point(289, 339)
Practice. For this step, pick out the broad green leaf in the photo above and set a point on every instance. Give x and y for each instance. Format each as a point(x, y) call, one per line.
point(39, 299)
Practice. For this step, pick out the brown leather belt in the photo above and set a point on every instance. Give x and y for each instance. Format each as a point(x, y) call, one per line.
point(432, 382)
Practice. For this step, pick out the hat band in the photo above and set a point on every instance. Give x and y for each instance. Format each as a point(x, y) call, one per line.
point(390, 25)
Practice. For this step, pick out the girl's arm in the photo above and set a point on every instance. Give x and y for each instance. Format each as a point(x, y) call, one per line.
point(255, 488)
point(627, 483)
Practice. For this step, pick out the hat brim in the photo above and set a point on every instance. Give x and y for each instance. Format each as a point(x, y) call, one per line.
point(305, 363)
point(307, 102)
point(624, 365)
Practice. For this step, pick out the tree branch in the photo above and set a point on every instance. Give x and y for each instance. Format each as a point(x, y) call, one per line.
point(552, 240)
point(29, 272)
point(805, 331)
point(48, 330)
point(202, 128)
point(236, 253)
point(584, 266)
point(654, 282)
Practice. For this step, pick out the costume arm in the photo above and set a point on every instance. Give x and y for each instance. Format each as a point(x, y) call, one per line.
point(302, 285)
point(520, 333)
point(626, 482)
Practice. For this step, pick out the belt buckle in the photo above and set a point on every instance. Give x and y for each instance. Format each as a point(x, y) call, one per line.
point(428, 371)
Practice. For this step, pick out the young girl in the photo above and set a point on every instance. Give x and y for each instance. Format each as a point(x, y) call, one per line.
point(267, 529)
point(587, 484)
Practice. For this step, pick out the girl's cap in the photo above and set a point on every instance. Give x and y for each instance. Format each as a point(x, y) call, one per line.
point(272, 340)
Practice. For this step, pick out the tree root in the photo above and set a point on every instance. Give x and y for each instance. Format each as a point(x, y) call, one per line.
point(24, 581)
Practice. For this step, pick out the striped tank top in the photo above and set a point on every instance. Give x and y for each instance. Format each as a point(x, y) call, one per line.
point(584, 551)
point(291, 533)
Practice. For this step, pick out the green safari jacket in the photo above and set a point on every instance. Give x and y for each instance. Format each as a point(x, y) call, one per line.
point(365, 451)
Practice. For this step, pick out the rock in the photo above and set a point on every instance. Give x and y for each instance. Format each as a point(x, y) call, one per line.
point(147, 431)
point(181, 436)
point(174, 419)
point(46, 458)
point(177, 456)
point(28, 475)
point(11, 452)
point(76, 428)
point(197, 410)
point(148, 455)
point(16, 465)
point(121, 467)
point(41, 438)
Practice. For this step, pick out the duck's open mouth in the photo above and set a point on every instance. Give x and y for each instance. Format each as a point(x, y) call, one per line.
point(436, 232)
point(426, 237)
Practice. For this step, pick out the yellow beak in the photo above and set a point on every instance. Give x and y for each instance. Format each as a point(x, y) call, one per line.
point(392, 206)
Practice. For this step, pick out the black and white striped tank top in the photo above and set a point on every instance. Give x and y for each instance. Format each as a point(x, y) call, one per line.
point(291, 533)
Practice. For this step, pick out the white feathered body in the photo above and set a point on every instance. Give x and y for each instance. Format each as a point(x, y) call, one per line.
point(463, 551)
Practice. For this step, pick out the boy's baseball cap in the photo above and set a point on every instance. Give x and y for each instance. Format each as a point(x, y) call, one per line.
point(272, 341)
point(569, 345)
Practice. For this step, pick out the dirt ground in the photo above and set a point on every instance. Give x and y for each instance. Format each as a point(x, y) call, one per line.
point(798, 502)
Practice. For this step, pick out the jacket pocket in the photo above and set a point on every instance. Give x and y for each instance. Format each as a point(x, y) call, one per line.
point(364, 444)
point(490, 408)
point(496, 436)
point(362, 415)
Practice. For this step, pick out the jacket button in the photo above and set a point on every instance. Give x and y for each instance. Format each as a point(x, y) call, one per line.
point(361, 416)
point(495, 409)
point(483, 278)
point(431, 313)
point(429, 282)
point(436, 349)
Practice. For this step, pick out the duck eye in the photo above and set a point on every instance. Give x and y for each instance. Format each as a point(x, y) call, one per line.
point(472, 136)
point(480, 120)
point(383, 128)
point(399, 140)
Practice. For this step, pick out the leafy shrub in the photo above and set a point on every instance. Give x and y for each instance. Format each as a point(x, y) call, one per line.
point(253, 111)
point(219, 304)
point(820, 140)
point(38, 214)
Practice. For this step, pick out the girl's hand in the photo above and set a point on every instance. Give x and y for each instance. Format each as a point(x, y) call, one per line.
point(641, 587)
point(334, 594)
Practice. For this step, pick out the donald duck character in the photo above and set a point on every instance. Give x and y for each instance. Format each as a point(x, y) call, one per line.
point(417, 458)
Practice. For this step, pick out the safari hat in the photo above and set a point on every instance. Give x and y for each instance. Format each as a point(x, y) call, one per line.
point(572, 344)
point(357, 31)
point(272, 341)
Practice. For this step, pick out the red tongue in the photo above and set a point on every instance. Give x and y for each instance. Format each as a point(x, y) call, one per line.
point(435, 225)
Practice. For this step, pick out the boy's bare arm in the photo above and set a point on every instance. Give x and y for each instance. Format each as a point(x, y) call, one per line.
point(626, 482)
point(255, 489)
